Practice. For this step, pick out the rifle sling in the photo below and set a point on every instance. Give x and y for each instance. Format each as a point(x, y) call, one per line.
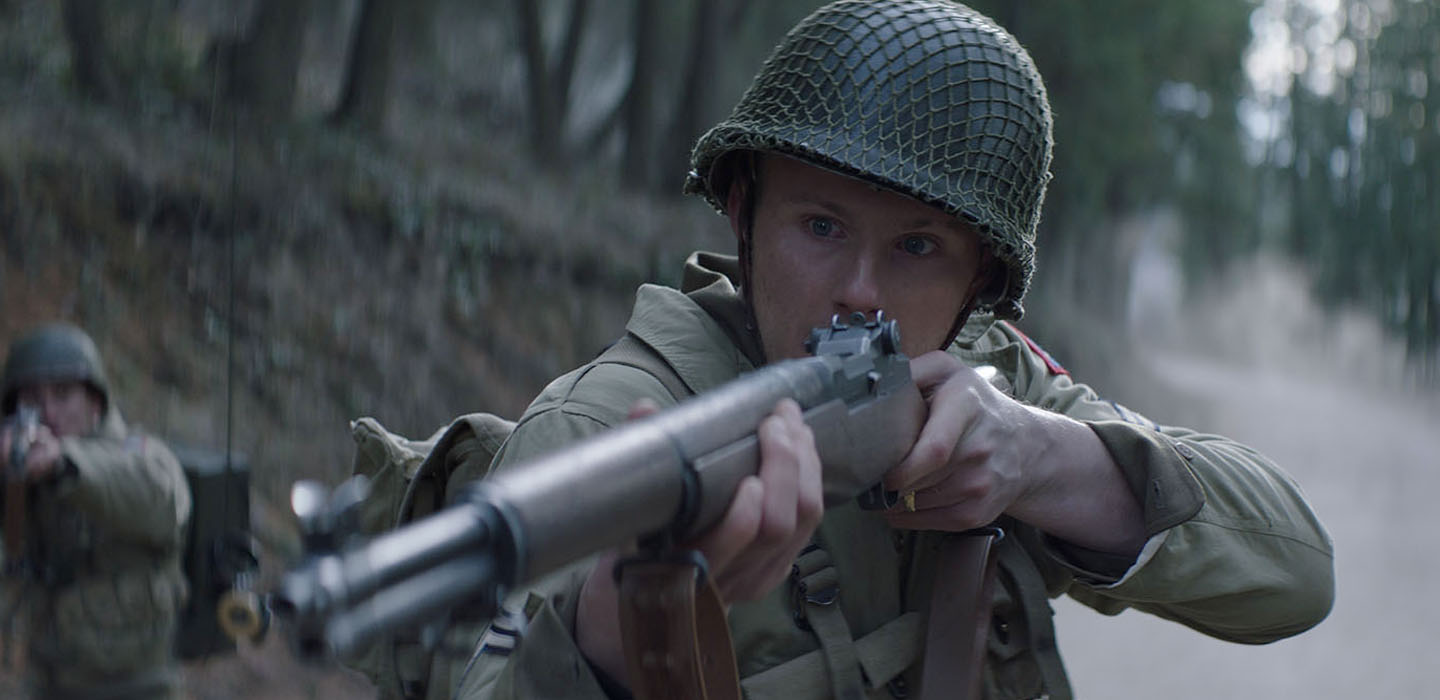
point(675, 634)
point(677, 640)
point(959, 616)
point(15, 497)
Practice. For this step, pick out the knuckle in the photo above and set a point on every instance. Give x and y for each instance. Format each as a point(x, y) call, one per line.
point(810, 510)
point(803, 435)
point(773, 532)
point(977, 487)
point(931, 453)
point(772, 429)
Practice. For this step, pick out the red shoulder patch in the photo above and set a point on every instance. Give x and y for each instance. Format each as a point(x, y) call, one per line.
point(1050, 362)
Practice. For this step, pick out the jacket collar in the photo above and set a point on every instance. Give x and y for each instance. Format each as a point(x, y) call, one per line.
point(711, 281)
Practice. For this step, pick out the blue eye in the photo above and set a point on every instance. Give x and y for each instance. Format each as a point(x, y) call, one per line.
point(822, 227)
point(917, 245)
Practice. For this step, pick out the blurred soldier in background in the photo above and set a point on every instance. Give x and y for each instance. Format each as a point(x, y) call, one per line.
point(98, 513)
point(893, 155)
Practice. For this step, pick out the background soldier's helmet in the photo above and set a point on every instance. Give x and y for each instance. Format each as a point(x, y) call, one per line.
point(925, 97)
point(53, 353)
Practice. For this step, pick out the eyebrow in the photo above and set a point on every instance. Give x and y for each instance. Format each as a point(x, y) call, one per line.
point(833, 207)
point(949, 223)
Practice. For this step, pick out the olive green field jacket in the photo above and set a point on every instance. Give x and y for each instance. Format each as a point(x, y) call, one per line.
point(1234, 552)
point(101, 612)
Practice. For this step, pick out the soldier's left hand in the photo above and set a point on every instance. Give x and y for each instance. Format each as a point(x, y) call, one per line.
point(44, 459)
point(973, 456)
point(982, 453)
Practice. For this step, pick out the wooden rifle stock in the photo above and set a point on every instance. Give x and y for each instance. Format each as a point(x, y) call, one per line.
point(664, 477)
point(26, 422)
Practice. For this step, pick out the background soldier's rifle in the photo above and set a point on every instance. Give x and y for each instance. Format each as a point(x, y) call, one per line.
point(25, 422)
point(658, 480)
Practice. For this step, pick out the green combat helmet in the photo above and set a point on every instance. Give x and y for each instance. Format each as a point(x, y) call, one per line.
point(53, 353)
point(925, 97)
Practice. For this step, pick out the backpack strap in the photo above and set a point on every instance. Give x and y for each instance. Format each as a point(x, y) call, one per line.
point(634, 352)
point(816, 587)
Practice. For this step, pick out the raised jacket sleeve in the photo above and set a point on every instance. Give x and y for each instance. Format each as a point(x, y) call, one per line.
point(132, 488)
point(1235, 551)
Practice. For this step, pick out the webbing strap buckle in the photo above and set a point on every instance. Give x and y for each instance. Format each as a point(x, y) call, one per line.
point(813, 581)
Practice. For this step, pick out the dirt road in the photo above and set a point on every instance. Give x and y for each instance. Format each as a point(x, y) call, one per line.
point(1369, 459)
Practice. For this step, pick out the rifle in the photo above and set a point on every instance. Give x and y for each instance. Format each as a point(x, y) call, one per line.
point(660, 480)
point(26, 422)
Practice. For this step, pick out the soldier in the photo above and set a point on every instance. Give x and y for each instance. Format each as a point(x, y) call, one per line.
point(893, 155)
point(105, 515)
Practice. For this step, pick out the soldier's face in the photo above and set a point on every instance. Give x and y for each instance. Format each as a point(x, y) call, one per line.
point(826, 244)
point(69, 408)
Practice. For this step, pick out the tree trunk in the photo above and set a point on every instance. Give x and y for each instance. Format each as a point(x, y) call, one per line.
point(635, 164)
point(538, 92)
point(714, 24)
point(570, 52)
point(365, 98)
point(267, 61)
point(85, 32)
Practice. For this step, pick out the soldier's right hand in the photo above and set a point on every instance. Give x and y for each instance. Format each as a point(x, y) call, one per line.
point(773, 514)
point(42, 458)
point(749, 552)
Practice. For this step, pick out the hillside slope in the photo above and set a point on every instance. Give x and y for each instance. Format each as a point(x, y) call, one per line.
point(346, 277)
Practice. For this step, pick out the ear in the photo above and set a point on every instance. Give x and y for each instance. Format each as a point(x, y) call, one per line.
point(991, 282)
point(735, 204)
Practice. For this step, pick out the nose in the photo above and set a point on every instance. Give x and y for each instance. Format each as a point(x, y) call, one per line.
point(48, 408)
point(859, 288)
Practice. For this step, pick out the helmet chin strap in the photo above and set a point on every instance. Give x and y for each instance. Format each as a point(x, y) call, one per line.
point(988, 272)
point(748, 178)
point(751, 323)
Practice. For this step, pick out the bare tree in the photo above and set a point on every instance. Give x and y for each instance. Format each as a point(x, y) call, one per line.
point(267, 58)
point(547, 85)
point(713, 22)
point(635, 164)
point(366, 96)
point(85, 32)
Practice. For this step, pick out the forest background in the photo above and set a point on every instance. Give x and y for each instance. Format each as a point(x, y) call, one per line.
point(277, 216)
